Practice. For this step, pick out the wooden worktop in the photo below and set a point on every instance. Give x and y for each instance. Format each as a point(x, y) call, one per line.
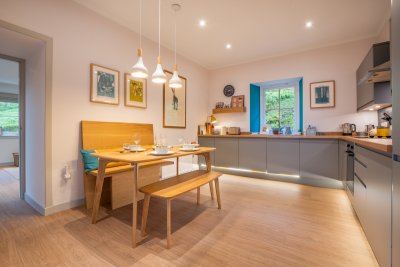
point(383, 145)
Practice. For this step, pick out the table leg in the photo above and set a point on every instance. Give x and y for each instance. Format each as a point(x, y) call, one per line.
point(207, 157)
point(99, 188)
point(134, 203)
point(177, 166)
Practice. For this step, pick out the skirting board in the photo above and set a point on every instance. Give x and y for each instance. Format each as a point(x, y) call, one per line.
point(7, 164)
point(55, 208)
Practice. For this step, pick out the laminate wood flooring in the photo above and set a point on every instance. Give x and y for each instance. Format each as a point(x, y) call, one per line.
point(262, 223)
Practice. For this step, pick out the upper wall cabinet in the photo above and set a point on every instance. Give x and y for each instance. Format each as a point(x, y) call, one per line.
point(372, 94)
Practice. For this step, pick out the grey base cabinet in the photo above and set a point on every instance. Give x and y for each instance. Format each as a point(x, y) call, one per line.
point(253, 154)
point(207, 142)
point(227, 152)
point(283, 156)
point(372, 200)
point(319, 158)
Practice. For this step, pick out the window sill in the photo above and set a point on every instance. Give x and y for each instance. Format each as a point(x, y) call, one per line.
point(8, 137)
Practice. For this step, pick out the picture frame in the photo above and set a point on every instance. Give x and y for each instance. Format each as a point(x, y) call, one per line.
point(322, 94)
point(237, 101)
point(104, 85)
point(135, 91)
point(174, 104)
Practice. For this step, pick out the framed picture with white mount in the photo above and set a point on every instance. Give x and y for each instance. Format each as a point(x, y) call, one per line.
point(322, 94)
point(174, 104)
point(135, 91)
point(104, 85)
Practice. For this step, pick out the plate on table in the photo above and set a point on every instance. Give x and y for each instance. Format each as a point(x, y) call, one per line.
point(138, 149)
point(189, 150)
point(154, 153)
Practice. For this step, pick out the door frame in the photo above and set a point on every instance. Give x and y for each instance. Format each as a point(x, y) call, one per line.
point(21, 136)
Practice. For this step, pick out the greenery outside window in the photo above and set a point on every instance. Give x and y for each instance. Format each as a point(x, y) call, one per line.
point(9, 118)
point(280, 107)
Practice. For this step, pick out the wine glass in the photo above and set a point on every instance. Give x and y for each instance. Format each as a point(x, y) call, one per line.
point(136, 139)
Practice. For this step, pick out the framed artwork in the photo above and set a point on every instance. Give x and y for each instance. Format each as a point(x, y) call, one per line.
point(135, 91)
point(322, 94)
point(237, 101)
point(104, 85)
point(174, 107)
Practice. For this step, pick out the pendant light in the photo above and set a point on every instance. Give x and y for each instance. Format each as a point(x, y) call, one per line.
point(159, 75)
point(139, 70)
point(175, 81)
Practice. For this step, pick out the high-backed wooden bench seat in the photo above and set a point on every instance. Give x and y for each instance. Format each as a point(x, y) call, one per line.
point(117, 188)
point(173, 187)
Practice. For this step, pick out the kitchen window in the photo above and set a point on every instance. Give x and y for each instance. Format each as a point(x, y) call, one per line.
point(280, 107)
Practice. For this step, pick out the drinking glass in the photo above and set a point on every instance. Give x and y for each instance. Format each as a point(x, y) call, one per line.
point(126, 147)
point(136, 139)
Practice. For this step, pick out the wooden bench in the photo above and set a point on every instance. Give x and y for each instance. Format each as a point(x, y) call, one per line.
point(173, 187)
point(117, 188)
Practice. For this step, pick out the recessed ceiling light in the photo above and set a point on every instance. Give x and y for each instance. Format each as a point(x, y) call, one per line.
point(371, 109)
point(309, 24)
point(377, 106)
point(228, 46)
point(202, 23)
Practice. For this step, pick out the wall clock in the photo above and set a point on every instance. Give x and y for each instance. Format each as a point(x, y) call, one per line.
point(229, 90)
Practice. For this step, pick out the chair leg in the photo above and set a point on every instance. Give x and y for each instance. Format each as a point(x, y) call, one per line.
point(168, 223)
point(145, 213)
point(211, 190)
point(216, 181)
point(198, 195)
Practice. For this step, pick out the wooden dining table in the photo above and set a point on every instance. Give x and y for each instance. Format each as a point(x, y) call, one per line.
point(137, 158)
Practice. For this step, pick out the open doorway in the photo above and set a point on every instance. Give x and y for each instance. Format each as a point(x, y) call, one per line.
point(11, 121)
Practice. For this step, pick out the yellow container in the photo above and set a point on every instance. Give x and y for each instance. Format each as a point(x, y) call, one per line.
point(383, 132)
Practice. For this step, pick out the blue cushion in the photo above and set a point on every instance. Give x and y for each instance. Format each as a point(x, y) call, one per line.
point(91, 163)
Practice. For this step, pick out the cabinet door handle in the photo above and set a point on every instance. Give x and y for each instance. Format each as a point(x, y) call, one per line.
point(361, 181)
point(359, 161)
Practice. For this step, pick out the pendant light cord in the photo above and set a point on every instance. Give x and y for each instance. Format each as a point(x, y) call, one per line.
point(140, 24)
point(159, 28)
point(175, 40)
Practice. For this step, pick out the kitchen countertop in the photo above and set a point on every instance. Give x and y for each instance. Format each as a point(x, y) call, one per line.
point(383, 145)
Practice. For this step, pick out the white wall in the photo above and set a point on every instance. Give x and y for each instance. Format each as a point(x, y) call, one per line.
point(8, 146)
point(82, 37)
point(337, 63)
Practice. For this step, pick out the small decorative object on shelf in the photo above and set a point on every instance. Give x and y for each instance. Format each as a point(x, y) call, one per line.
point(237, 101)
point(219, 105)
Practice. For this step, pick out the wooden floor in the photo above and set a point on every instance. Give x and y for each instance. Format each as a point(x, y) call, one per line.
point(262, 223)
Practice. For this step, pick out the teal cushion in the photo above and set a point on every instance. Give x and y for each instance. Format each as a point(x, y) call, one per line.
point(91, 163)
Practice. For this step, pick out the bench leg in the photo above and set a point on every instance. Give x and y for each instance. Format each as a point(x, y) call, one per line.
point(198, 195)
point(216, 181)
point(145, 213)
point(212, 190)
point(168, 223)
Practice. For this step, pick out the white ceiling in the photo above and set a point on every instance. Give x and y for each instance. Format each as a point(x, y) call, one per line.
point(256, 29)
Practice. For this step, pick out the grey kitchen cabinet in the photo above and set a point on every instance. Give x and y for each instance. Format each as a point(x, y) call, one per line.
point(207, 142)
point(319, 158)
point(368, 93)
point(227, 152)
point(343, 160)
point(373, 204)
point(283, 156)
point(253, 154)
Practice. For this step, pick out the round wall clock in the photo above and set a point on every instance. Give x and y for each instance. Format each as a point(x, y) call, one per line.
point(229, 90)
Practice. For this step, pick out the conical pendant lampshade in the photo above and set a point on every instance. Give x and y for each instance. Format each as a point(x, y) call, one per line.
point(159, 75)
point(175, 81)
point(139, 70)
